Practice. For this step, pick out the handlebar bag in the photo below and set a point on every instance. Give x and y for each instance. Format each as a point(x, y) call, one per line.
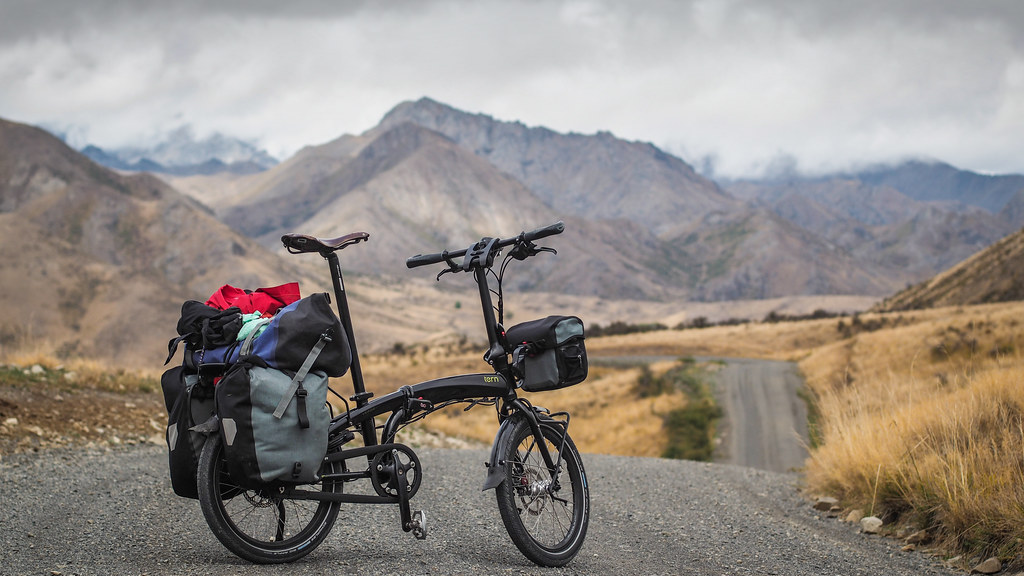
point(273, 423)
point(548, 353)
point(189, 402)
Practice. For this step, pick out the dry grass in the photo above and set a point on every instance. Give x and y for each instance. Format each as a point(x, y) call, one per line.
point(920, 414)
point(783, 341)
point(84, 373)
point(923, 422)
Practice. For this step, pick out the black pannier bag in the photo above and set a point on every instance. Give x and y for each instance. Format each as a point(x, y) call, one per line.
point(549, 353)
point(189, 403)
point(274, 424)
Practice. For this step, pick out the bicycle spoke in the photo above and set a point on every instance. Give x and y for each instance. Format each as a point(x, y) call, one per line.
point(280, 520)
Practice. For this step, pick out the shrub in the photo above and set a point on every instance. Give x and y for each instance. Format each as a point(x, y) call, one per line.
point(691, 431)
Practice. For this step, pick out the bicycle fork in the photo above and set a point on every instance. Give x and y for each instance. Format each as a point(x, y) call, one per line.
point(535, 417)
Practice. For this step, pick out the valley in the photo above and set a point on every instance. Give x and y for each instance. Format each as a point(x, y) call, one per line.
point(899, 275)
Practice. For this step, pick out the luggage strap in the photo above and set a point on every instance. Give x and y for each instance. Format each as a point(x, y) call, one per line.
point(247, 343)
point(296, 389)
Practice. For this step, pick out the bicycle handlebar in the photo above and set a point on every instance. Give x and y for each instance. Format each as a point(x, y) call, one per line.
point(556, 228)
point(427, 259)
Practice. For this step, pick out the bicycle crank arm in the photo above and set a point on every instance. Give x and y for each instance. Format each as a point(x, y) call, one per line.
point(411, 522)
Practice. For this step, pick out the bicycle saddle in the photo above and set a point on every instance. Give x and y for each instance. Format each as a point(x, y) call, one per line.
point(300, 243)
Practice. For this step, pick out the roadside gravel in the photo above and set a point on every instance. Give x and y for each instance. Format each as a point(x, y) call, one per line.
point(111, 511)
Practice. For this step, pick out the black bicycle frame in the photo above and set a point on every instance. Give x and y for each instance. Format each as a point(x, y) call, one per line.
point(425, 396)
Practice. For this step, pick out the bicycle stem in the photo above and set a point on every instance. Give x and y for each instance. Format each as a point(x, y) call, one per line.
point(496, 354)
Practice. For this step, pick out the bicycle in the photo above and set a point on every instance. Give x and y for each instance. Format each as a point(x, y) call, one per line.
point(534, 467)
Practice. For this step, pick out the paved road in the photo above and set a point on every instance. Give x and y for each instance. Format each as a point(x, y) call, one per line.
point(113, 512)
point(765, 422)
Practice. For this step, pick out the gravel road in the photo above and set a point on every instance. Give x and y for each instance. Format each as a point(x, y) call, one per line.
point(765, 422)
point(112, 512)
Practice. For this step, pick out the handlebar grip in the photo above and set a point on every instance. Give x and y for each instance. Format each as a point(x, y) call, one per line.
point(556, 228)
point(423, 260)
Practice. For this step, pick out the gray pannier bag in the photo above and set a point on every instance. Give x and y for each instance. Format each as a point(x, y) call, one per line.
point(549, 353)
point(273, 418)
point(273, 423)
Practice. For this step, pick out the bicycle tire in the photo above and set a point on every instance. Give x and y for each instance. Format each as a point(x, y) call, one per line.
point(546, 523)
point(260, 527)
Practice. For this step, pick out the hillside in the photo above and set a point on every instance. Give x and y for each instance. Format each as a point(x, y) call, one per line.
point(882, 228)
point(995, 274)
point(597, 177)
point(416, 191)
point(97, 264)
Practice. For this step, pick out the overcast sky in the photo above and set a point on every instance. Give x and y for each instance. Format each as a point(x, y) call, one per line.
point(740, 86)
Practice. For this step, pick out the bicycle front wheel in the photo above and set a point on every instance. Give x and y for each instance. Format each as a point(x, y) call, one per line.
point(545, 515)
point(256, 525)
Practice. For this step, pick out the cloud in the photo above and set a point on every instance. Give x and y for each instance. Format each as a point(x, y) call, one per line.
point(827, 83)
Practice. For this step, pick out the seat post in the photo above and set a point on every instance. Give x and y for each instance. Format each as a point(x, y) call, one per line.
point(358, 386)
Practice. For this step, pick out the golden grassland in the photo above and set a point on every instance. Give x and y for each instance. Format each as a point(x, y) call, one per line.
point(923, 421)
point(919, 416)
point(84, 373)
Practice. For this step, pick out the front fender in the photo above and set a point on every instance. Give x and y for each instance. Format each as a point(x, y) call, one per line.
point(495, 470)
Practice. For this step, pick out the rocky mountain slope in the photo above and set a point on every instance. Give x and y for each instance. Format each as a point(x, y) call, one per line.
point(881, 227)
point(416, 191)
point(938, 181)
point(995, 274)
point(92, 262)
point(598, 177)
point(644, 224)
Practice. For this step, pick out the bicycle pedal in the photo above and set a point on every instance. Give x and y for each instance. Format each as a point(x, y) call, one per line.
point(419, 524)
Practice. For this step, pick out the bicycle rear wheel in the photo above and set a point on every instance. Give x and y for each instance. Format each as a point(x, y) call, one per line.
point(545, 516)
point(257, 525)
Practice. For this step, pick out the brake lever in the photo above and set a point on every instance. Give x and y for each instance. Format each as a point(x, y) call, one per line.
point(527, 248)
point(452, 266)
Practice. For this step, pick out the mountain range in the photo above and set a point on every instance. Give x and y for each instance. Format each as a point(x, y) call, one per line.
point(646, 224)
point(98, 261)
point(180, 153)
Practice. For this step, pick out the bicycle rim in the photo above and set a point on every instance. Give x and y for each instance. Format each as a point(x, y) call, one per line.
point(546, 518)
